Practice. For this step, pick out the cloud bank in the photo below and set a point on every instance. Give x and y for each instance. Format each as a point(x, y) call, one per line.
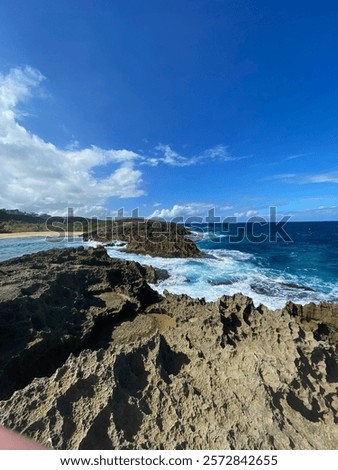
point(38, 175)
point(192, 209)
point(42, 177)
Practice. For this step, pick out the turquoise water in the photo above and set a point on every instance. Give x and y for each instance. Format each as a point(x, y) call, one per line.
point(13, 247)
point(273, 271)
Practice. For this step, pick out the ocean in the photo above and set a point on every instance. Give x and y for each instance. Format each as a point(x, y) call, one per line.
point(298, 262)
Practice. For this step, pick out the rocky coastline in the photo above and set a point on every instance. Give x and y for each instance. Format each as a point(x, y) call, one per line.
point(93, 358)
point(147, 237)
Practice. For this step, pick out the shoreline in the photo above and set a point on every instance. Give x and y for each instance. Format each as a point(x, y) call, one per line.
point(38, 234)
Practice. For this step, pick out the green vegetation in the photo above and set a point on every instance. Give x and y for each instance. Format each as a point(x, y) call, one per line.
point(14, 221)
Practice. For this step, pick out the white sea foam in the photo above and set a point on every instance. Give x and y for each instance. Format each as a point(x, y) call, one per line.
point(93, 244)
point(227, 272)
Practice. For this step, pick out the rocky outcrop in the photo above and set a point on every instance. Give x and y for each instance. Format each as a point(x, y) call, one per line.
point(151, 237)
point(60, 302)
point(321, 319)
point(112, 365)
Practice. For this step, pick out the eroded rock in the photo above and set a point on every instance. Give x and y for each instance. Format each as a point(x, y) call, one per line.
point(60, 302)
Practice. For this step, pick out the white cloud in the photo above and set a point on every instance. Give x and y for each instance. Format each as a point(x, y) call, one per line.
point(17, 86)
point(193, 209)
point(239, 215)
point(251, 213)
point(204, 210)
point(37, 175)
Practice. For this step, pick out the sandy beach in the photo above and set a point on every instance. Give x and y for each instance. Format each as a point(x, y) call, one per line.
point(37, 234)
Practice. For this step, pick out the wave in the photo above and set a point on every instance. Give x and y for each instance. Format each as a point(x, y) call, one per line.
point(227, 272)
point(205, 235)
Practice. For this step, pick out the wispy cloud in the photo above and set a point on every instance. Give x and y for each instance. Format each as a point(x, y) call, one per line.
point(218, 152)
point(284, 177)
point(164, 154)
point(280, 160)
point(38, 175)
point(296, 156)
point(317, 213)
point(328, 177)
point(170, 157)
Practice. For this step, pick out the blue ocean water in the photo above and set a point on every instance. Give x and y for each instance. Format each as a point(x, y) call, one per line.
point(254, 260)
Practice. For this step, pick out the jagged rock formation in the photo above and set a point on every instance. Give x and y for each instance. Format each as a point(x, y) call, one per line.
point(152, 237)
point(93, 358)
point(63, 301)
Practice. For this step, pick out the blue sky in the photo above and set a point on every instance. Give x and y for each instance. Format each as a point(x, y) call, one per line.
point(173, 107)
